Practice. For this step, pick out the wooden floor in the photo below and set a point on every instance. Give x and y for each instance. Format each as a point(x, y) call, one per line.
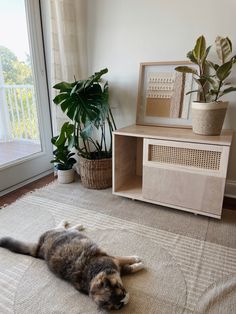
point(14, 150)
point(229, 203)
point(12, 196)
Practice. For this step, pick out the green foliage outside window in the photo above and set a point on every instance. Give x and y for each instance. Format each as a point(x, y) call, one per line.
point(20, 101)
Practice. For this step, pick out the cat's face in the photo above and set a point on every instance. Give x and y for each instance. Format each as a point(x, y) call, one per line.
point(108, 292)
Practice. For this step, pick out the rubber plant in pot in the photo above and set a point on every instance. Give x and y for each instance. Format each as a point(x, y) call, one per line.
point(85, 102)
point(63, 159)
point(212, 80)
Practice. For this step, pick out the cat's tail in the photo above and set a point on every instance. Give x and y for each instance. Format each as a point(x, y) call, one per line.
point(19, 246)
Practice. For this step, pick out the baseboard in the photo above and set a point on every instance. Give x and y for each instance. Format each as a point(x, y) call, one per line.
point(230, 189)
point(19, 185)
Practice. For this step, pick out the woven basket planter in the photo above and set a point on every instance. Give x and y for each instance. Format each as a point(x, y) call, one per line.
point(96, 174)
point(208, 118)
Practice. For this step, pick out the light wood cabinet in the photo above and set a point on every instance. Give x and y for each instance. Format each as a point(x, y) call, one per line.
point(172, 167)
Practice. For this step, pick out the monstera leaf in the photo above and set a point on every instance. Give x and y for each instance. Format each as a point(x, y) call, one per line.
point(64, 87)
point(95, 78)
point(66, 134)
point(85, 102)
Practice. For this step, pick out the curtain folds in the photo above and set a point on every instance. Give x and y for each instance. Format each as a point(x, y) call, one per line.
point(68, 47)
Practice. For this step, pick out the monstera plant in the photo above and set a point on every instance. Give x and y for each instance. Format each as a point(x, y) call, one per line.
point(86, 104)
point(212, 80)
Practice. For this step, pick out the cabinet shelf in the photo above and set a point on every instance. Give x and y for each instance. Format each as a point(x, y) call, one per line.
point(132, 188)
point(171, 167)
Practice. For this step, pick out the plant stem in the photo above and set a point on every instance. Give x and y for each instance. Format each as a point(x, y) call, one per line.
point(103, 139)
point(112, 118)
point(203, 91)
point(85, 147)
point(93, 142)
point(87, 143)
point(101, 144)
point(218, 90)
point(110, 130)
point(77, 135)
point(105, 144)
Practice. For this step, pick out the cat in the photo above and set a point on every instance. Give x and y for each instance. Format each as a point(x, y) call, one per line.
point(72, 256)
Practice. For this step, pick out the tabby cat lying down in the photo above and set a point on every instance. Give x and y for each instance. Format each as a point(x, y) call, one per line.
point(74, 257)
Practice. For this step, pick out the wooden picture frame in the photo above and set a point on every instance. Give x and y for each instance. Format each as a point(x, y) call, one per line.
point(162, 99)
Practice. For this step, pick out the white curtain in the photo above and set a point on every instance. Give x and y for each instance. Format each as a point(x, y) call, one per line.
point(68, 47)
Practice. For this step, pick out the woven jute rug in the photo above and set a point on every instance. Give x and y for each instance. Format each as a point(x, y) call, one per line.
point(190, 260)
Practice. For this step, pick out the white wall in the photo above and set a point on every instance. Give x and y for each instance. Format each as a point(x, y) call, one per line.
point(123, 33)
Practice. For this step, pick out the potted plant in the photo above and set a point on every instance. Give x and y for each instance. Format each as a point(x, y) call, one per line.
point(85, 102)
point(63, 159)
point(212, 81)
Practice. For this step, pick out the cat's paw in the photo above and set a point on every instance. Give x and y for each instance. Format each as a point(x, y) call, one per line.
point(63, 224)
point(80, 227)
point(137, 267)
point(66, 224)
point(136, 259)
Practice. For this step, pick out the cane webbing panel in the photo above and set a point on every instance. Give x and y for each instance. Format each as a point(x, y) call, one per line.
point(204, 159)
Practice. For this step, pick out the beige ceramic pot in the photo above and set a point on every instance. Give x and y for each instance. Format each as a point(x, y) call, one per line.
point(208, 118)
point(65, 176)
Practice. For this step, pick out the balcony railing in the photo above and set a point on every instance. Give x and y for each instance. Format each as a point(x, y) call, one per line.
point(20, 113)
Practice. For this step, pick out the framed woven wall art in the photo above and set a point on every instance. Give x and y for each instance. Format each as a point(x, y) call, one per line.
point(162, 98)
